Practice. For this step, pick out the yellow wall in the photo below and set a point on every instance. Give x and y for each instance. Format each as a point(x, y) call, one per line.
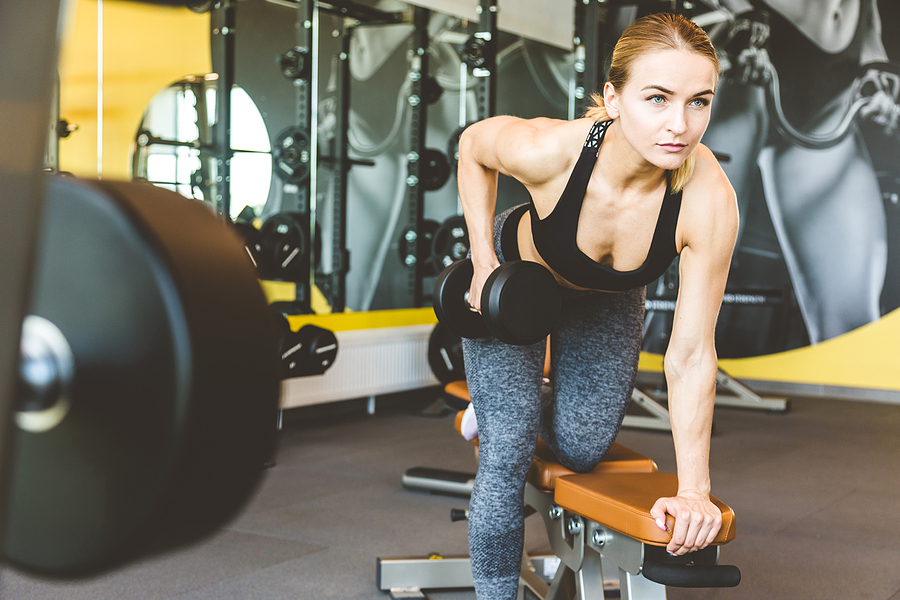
point(145, 49)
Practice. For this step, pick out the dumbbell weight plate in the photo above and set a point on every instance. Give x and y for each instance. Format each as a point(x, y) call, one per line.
point(310, 351)
point(450, 242)
point(434, 170)
point(250, 237)
point(291, 154)
point(520, 302)
point(284, 247)
point(175, 390)
point(445, 355)
point(450, 304)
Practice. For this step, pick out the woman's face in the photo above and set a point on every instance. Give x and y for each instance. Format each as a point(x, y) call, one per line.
point(664, 108)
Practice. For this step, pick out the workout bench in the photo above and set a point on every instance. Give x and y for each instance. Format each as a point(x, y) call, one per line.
point(597, 522)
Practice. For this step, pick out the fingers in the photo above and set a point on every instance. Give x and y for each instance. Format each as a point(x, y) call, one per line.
point(697, 522)
point(479, 278)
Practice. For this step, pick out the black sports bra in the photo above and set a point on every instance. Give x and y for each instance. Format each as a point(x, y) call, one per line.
point(555, 236)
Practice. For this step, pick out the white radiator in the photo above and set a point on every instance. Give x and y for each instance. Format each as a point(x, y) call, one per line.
point(369, 362)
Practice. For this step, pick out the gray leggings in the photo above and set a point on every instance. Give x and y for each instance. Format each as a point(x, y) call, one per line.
point(595, 347)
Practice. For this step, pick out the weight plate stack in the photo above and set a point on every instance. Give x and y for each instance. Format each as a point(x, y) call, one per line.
point(158, 432)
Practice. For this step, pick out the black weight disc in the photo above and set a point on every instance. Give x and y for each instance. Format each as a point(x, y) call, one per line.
point(474, 52)
point(445, 356)
point(175, 390)
point(450, 242)
point(251, 239)
point(309, 351)
point(520, 302)
point(450, 304)
point(284, 247)
point(291, 155)
point(434, 170)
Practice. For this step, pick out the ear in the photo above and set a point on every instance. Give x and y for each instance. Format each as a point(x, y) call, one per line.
point(611, 100)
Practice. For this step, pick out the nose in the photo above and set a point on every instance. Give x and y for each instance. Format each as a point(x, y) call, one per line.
point(677, 121)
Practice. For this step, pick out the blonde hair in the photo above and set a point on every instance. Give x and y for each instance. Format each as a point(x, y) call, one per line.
point(655, 32)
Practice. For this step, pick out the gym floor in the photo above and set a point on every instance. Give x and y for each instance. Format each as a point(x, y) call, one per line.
point(815, 492)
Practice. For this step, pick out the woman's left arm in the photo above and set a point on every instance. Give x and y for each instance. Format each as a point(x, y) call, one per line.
point(709, 222)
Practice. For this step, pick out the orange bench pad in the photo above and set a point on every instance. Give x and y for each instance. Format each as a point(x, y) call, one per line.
point(546, 470)
point(622, 502)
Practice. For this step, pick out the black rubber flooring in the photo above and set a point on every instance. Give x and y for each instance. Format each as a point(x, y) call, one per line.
point(816, 492)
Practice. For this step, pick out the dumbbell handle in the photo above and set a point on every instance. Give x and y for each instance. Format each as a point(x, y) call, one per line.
point(466, 298)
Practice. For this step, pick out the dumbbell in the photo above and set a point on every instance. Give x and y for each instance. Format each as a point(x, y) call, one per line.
point(309, 351)
point(520, 302)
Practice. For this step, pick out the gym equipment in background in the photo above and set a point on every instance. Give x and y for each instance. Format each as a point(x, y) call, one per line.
point(148, 387)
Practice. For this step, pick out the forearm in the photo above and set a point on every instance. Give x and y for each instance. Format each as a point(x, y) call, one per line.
point(692, 393)
point(478, 195)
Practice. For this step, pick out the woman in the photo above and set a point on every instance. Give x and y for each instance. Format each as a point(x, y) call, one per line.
point(642, 181)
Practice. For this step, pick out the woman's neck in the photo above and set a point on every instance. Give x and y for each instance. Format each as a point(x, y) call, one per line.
point(623, 168)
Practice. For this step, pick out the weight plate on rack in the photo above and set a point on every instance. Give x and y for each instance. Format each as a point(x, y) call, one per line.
point(284, 247)
point(450, 243)
point(291, 155)
point(445, 355)
point(434, 170)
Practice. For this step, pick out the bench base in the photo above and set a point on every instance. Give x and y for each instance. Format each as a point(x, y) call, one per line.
point(592, 560)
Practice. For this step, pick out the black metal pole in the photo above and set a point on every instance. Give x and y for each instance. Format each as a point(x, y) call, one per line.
point(340, 255)
point(418, 124)
point(224, 18)
point(589, 74)
point(486, 91)
point(306, 119)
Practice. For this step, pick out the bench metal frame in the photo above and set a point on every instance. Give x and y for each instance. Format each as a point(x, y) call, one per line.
point(585, 550)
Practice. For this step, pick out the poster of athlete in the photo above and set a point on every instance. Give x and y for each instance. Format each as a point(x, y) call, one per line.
point(805, 121)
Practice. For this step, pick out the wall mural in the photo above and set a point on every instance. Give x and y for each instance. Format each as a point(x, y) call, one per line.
point(805, 120)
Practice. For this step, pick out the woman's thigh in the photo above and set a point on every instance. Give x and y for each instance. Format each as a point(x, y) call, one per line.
point(594, 355)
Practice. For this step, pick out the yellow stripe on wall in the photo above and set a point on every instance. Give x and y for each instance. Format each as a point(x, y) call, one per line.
point(374, 319)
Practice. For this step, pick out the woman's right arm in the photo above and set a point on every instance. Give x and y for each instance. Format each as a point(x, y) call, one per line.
point(503, 144)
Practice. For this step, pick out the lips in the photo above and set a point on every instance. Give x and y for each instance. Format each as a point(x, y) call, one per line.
point(672, 147)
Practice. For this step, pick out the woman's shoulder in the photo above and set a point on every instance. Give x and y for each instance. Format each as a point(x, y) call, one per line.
point(708, 180)
point(534, 150)
point(708, 200)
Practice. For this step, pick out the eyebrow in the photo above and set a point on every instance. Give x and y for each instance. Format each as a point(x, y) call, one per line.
point(671, 93)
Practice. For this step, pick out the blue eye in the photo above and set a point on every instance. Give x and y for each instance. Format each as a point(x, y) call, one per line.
point(657, 99)
point(700, 102)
